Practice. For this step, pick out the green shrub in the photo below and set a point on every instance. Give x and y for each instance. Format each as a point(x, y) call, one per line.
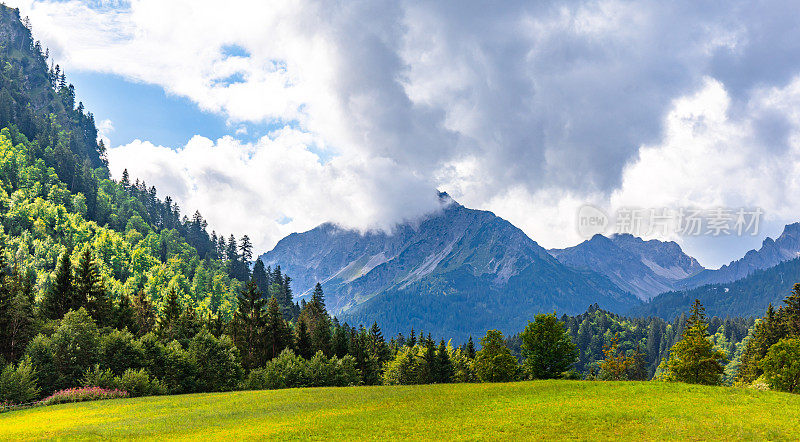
point(98, 377)
point(289, 370)
point(138, 383)
point(18, 385)
point(781, 365)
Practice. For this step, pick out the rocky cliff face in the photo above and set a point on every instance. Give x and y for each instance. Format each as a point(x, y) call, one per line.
point(644, 268)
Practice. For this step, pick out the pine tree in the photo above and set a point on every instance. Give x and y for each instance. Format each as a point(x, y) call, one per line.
point(694, 359)
point(470, 349)
point(444, 366)
point(302, 340)
point(261, 278)
point(60, 298)
point(339, 339)
point(89, 289)
point(412, 339)
point(170, 314)
point(124, 316)
point(250, 320)
point(276, 333)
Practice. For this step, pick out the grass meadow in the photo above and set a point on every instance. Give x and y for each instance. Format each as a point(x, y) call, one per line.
point(538, 409)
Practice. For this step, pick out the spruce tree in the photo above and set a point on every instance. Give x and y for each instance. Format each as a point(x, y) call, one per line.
point(276, 333)
point(470, 349)
point(378, 346)
point(6, 305)
point(444, 366)
point(317, 320)
point(250, 321)
point(261, 278)
point(791, 311)
point(694, 359)
point(60, 298)
point(89, 289)
point(429, 369)
point(170, 313)
point(302, 340)
point(339, 339)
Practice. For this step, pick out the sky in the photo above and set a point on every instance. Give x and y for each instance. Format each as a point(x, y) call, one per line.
point(273, 117)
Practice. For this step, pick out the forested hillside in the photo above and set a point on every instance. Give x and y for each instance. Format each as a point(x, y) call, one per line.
point(748, 296)
point(593, 331)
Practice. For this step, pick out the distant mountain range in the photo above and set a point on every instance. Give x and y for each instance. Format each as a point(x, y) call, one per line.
point(456, 272)
point(460, 271)
point(644, 268)
point(748, 296)
point(771, 253)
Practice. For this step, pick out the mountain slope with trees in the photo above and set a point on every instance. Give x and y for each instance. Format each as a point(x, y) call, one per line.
point(748, 296)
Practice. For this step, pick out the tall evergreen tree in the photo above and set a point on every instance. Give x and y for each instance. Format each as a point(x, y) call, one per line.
point(302, 341)
point(694, 359)
point(261, 278)
point(250, 323)
point(60, 298)
point(339, 339)
point(89, 287)
point(791, 311)
point(277, 335)
point(378, 346)
point(317, 319)
point(170, 314)
point(470, 348)
point(444, 365)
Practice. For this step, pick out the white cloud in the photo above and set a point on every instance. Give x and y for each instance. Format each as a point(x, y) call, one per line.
point(105, 128)
point(526, 108)
point(276, 185)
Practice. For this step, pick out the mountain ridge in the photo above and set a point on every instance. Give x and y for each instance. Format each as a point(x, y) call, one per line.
point(464, 256)
point(644, 268)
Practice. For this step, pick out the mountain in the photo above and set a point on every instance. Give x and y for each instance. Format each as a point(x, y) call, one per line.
point(748, 296)
point(456, 272)
point(771, 253)
point(644, 268)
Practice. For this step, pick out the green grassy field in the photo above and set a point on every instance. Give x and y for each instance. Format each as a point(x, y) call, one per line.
point(542, 409)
